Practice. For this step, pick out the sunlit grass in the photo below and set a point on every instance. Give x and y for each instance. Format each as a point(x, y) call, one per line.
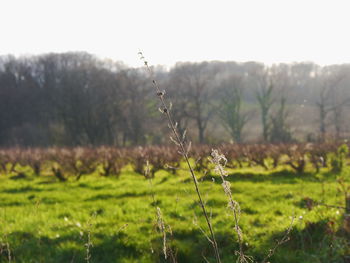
point(47, 221)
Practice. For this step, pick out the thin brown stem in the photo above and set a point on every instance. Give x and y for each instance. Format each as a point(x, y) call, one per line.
point(283, 240)
point(181, 144)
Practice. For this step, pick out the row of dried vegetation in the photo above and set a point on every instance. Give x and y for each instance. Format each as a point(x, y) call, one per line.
point(109, 161)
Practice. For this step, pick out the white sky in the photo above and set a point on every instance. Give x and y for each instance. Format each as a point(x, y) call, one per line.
point(181, 30)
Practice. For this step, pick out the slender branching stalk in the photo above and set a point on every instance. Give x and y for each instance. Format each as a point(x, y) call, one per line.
point(5, 245)
point(160, 221)
point(88, 245)
point(219, 160)
point(283, 240)
point(161, 227)
point(8, 252)
point(183, 150)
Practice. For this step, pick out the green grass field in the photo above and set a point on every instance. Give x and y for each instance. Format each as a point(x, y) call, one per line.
point(43, 220)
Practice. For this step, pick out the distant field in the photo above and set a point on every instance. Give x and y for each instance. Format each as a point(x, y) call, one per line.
point(43, 220)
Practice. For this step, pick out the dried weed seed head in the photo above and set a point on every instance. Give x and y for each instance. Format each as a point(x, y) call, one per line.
point(220, 162)
point(161, 227)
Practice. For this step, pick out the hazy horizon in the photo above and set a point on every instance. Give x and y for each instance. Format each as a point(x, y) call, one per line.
point(168, 66)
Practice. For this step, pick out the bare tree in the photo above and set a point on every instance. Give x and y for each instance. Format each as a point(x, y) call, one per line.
point(230, 106)
point(75, 98)
point(280, 76)
point(264, 96)
point(279, 128)
point(329, 100)
point(195, 78)
point(177, 90)
point(134, 91)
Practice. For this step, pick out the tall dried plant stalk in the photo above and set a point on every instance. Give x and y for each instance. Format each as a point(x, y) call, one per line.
point(88, 245)
point(162, 227)
point(5, 245)
point(219, 160)
point(179, 141)
point(280, 242)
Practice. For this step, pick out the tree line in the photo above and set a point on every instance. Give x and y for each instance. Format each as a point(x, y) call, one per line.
point(75, 98)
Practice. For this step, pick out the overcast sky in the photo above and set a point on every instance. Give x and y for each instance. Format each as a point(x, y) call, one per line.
point(182, 30)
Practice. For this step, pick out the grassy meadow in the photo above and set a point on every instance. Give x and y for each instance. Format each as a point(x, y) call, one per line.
point(110, 219)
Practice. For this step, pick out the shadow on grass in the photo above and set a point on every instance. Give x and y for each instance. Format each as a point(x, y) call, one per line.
point(189, 245)
point(101, 197)
point(116, 196)
point(275, 177)
point(317, 240)
point(26, 247)
point(10, 204)
point(25, 189)
point(94, 187)
point(33, 199)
